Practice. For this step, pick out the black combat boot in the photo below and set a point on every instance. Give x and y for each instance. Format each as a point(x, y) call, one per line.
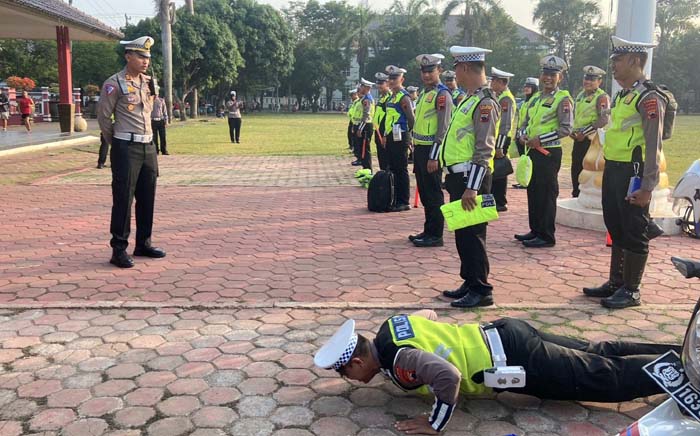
point(615, 279)
point(628, 295)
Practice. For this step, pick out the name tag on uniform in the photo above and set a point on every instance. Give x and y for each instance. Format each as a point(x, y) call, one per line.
point(402, 327)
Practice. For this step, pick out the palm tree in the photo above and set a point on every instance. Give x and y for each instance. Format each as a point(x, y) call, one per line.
point(412, 10)
point(166, 13)
point(472, 16)
point(361, 37)
point(195, 94)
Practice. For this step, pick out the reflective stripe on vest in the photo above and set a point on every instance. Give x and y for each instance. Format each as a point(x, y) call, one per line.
point(625, 132)
point(380, 109)
point(543, 114)
point(463, 346)
point(426, 126)
point(395, 114)
point(355, 107)
point(586, 109)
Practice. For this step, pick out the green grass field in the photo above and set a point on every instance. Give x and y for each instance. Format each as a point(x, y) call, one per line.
point(324, 134)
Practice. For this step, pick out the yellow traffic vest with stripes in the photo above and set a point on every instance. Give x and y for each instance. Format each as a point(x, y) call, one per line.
point(458, 146)
point(543, 115)
point(394, 113)
point(426, 125)
point(625, 132)
point(506, 95)
point(380, 109)
point(355, 111)
point(522, 112)
point(461, 345)
point(586, 108)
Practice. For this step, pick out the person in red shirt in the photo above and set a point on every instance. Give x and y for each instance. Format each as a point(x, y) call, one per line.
point(26, 108)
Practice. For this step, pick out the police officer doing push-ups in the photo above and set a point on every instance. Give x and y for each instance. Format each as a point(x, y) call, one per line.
point(418, 353)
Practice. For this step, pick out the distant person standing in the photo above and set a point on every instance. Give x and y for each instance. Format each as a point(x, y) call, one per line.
point(159, 119)
point(26, 108)
point(4, 110)
point(234, 118)
point(128, 96)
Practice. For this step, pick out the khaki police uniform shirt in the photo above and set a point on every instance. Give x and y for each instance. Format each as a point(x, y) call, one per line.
point(485, 117)
point(131, 103)
point(652, 108)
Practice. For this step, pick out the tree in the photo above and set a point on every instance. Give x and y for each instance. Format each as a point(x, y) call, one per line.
point(93, 62)
point(567, 22)
point(473, 14)
point(673, 17)
point(166, 15)
point(29, 58)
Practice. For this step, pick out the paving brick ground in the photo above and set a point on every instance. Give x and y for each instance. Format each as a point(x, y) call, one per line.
point(266, 257)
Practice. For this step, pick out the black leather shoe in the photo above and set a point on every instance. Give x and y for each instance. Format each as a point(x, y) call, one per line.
point(165, 153)
point(621, 299)
point(525, 236)
point(121, 259)
point(518, 186)
point(100, 166)
point(457, 293)
point(473, 299)
point(400, 208)
point(356, 163)
point(153, 252)
point(428, 241)
point(537, 243)
point(414, 237)
point(503, 208)
point(654, 230)
point(603, 291)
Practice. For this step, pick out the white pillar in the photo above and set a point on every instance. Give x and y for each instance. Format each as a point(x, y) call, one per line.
point(636, 21)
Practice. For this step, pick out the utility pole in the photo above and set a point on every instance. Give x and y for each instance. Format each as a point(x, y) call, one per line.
point(194, 112)
point(166, 10)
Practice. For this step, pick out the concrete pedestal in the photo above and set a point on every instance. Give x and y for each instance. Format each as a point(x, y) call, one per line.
point(66, 115)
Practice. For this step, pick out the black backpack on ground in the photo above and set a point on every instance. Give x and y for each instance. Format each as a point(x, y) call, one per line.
point(380, 195)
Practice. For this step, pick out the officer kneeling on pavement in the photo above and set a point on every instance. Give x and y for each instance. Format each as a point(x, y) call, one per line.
point(416, 352)
point(128, 95)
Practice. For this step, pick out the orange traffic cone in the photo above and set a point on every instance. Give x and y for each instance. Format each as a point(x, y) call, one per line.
point(415, 200)
point(608, 239)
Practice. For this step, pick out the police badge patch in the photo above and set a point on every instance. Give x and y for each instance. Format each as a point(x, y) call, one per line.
point(109, 89)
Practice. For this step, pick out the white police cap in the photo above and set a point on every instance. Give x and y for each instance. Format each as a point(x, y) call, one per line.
point(468, 54)
point(428, 62)
point(500, 74)
point(352, 91)
point(532, 81)
point(141, 45)
point(622, 46)
point(337, 351)
point(365, 82)
point(233, 93)
point(553, 63)
point(381, 77)
point(449, 75)
point(412, 88)
point(394, 71)
point(592, 70)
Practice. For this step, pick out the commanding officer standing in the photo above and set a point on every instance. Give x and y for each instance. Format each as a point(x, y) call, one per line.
point(398, 125)
point(467, 156)
point(506, 101)
point(128, 95)
point(378, 120)
point(632, 147)
point(433, 113)
point(548, 119)
point(418, 353)
point(458, 94)
point(592, 112)
point(364, 128)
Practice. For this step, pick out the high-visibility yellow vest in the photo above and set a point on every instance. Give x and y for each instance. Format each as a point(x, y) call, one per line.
point(380, 109)
point(524, 107)
point(458, 146)
point(352, 111)
point(506, 95)
point(625, 132)
point(586, 108)
point(394, 113)
point(461, 345)
point(426, 126)
point(543, 115)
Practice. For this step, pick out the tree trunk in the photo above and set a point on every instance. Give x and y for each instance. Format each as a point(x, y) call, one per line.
point(166, 36)
point(194, 113)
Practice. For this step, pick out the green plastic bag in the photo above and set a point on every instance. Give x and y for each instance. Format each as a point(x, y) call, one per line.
point(523, 174)
point(458, 218)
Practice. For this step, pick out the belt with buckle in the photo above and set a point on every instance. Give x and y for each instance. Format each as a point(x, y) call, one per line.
point(463, 167)
point(132, 137)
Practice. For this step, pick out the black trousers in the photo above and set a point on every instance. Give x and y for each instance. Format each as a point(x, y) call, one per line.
point(562, 368)
point(398, 164)
point(158, 128)
point(542, 193)
point(234, 129)
point(104, 149)
point(626, 223)
point(521, 147)
point(471, 241)
point(430, 191)
point(350, 142)
point(134, 172)
point(382, 153)
point(499, 188)
point(362, 145)
point(577, 154)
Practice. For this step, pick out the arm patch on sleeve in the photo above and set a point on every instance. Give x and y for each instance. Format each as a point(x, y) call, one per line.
point(109, 89)
point(566, 106)
point(441, 102)
point(485, 113)
point(406, 376)
point(651, 107)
